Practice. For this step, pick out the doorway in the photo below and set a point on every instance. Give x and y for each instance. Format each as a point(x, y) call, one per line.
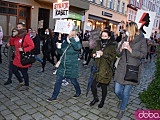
point(43, 21)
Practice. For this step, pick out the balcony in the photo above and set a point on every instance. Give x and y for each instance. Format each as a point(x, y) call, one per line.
point(82, 4)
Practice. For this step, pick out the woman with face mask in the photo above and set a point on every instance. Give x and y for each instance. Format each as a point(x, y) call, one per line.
point(132, 48)
point(104, 54)
point(48, 49)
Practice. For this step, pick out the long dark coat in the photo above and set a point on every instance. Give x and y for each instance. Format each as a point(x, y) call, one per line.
point(105, 62)
point(139, 51)
point(69, 63)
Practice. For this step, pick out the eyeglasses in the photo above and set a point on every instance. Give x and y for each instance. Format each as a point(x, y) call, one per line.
point(14, 31)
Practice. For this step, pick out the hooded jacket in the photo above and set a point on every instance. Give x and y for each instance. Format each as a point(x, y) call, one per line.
point(139, 51)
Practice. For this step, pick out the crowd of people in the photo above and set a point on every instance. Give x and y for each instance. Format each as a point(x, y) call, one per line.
point(64, 51)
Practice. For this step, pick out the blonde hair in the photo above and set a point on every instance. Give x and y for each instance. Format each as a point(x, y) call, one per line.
point(133, 30)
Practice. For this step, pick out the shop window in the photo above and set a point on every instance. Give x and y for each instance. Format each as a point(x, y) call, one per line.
point(8, 8)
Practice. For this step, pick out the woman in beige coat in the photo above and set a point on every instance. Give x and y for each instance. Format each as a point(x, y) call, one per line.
point(136, 49)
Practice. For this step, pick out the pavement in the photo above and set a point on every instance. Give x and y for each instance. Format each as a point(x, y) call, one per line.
point(32, 104)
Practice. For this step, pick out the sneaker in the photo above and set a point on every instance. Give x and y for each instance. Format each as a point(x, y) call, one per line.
point(19, 85)
point(54, 72)
point(84, 62)
point(65, 83)
point(79, 59)
point(51, 99)
point(8, 82)
point(23, 88)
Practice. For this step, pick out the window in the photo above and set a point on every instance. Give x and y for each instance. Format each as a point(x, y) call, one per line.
point(130, 15)
point(8, 8)
point(132, 2)
point(118, 4)
point(101, 2)
point(157, 24)
point(137, 4)
point(123, 6)
point(111, 4)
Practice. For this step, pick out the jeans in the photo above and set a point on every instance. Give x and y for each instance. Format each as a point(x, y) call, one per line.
point(58, 85)
point(38, 58)
point(24, 72)
point(123, 93)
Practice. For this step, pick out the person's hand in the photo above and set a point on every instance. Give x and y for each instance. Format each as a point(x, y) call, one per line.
point(68, 40)
point(8, 44)
point(126, 46)
point(20, 49)
point(100, 52)
point(94, 55)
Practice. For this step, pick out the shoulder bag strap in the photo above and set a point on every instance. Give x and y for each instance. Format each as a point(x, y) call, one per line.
point(64, 52)
point(23, 41)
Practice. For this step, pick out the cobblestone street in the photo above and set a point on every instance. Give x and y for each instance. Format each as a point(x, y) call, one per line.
point(32, 104)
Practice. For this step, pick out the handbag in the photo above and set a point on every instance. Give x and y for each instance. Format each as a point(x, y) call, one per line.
point(131, 72)
point(59, 62)
point(27, 57)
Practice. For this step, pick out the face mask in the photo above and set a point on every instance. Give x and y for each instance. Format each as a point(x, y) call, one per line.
point(47, 33)
point(127, 33)
point(104, 40)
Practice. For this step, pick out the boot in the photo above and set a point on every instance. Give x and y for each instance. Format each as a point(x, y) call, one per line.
point(94, 101)
point(101, 104)
point(8, 82)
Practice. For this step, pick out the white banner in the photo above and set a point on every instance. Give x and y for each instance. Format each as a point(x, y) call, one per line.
point(145, 21)
point(63, 26)
point(61, 10)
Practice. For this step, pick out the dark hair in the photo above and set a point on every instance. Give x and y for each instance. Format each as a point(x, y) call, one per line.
point(106, 31)
point(50, 32)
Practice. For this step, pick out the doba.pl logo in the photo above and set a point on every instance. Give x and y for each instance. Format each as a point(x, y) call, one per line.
point(147, 115)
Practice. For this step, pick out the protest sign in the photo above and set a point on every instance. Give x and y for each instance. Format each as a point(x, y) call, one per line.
point(94, 35)
point(61, 10)
point(145, 20)
point(63, 26)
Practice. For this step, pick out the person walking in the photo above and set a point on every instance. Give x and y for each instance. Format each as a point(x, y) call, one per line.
point(10, 54)
point(28, 45)
point(68, 67)
point(136, 49)
point(1, 37)
point(48, 49)
point(104, 54)
point(36, 41)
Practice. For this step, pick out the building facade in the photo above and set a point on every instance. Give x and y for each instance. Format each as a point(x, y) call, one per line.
point(37, 14)
point(104, 13)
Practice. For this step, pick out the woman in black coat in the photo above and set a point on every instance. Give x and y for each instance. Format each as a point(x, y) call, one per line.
point(36, 41)
point(48, 48)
